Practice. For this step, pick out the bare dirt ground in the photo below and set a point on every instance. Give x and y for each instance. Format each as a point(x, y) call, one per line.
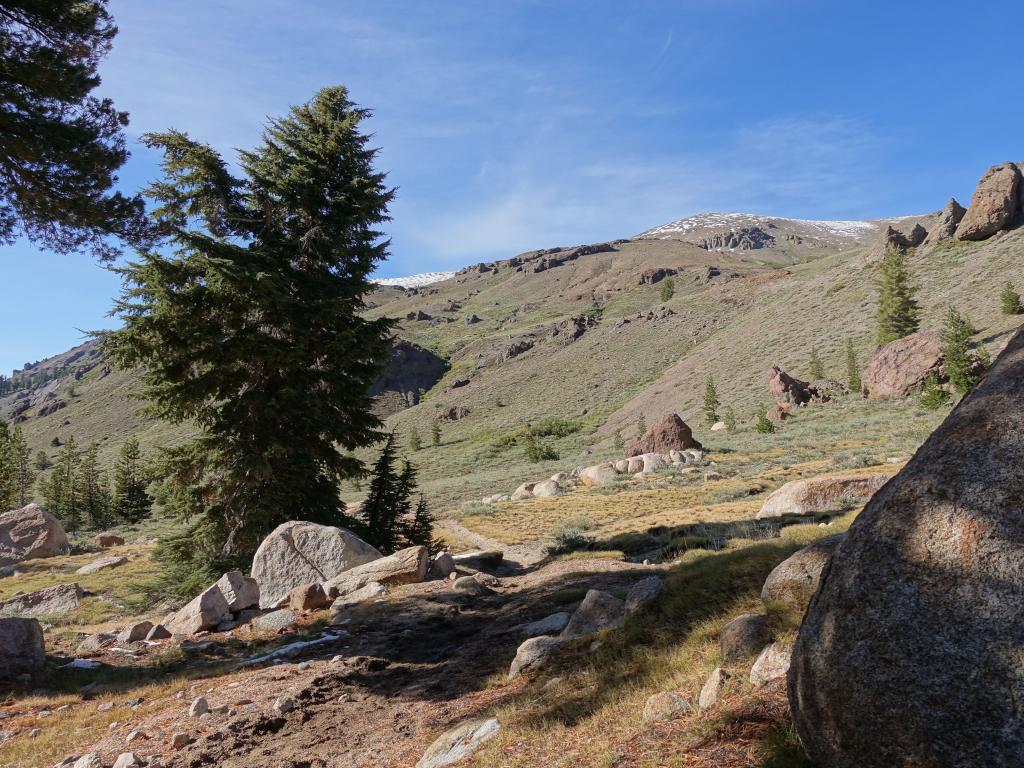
point(413, 664)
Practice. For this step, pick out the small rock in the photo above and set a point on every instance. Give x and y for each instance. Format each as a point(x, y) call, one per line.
point(665, 706)
point(284, 704)
point(199, 707)
point(302, 666)
point(470, 586)
point(91, 760)
point(548, 625)
point(459, 742)
point(308, 597)
point(158, 632)
point(713, 686)
point(773, 663)
point(127, 760)
point(275, 620)
point(135, 632)
point(533, 654)
point(220, 710)
point(743, 637)
point(180, 740)
point(135, 736)
point(642, 593)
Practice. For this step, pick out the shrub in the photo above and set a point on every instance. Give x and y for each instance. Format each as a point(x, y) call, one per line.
point(933, 396)
point(569, 539)
point(476, 509)
point(764, 425)
point(537, 451)
point(1010, 300)
point(730, 419)
point(553, 426)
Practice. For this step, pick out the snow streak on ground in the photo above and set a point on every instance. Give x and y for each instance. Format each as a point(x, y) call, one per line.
point(415, 281)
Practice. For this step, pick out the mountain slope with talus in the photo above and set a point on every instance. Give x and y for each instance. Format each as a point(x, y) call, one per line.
point(582, 334)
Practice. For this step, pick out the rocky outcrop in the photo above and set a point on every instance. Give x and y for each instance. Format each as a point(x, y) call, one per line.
point(898, 368)
point(656, 275)
point(894, 238)
point(298, 553)
point(789, 390)
point(821, 495)
point(669, 433)
point(995, 205)
point(946, 226)
point(407, 566)
point(796, 578)
point(910, 650)
point(108, 540)
point(57, 600)
point(28, 533)
point(458, 743)
point(410, 370)
point(21, 647)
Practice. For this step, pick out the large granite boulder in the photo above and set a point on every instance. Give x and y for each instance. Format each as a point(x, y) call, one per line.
point(821, 495)
point(533, 654)
point(743, 636)
point(788, 389)
point(598, 474)
point(946, 226)
point(910, 652)
point(298, 553)
point(21, 647)
point(669, 433)
point(796, 578)
point(28, 533)
point(57, 600)
point(995, 204)
point(901, 366)
point(406, 566)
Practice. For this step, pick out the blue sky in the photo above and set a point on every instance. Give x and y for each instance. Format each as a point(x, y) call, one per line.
point(516, 124)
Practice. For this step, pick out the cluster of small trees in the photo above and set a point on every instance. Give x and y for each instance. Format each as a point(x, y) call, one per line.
point(80, 494)
point(416, 442)
point(16, 470)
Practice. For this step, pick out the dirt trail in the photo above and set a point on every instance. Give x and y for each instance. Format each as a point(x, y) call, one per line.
point(524, 554)
point(413, 664)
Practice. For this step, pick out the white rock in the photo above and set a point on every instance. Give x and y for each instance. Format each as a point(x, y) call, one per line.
point(548, 625)
point(713, 686)
point(199, 707)
point(546, 489)
point(772, 664)
point(239, 591)
point(459, 742)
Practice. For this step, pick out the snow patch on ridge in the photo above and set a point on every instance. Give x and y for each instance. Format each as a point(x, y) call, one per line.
point(416, 281)
point(850, 229)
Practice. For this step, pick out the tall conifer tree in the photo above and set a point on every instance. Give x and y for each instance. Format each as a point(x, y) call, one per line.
point(897, 314)
point(248, 322)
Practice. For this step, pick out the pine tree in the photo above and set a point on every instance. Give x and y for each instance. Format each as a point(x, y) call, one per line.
point(94, 500)
point(617, 443)
point(764, 425)
point(248, 320)
point(130, 500)
point(419, 530)
point(852, 369)
point(61, 146)
point(641, 425)
point(415, 441)
point(730, 418)
point(387, 503)
point(435, 433)
point(668, 289)
point(60, 490)
point(933, 396)
point(42, 461)
point(1010, 300)
point(962, 366)
point(6, 469)
point(22, 475)
point(897, 313)
point(815, 368)
point(711, 401)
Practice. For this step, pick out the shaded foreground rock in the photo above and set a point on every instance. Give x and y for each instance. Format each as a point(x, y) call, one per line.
point(901, 366)
point(822, 494)
point(665, 706)
point(460, 742)
point(669, 433)
point(599, 610)
point(743, 637)
point(21, 647)
point(533, 654)
point(298, 553)
point(910, 650)
point(796, 578)
point(30, 532)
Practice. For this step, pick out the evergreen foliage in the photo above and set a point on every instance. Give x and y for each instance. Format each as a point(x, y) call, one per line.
point(815, 368)
point(730, 418)
point(711, 401)
point(59, 490)
point(92, 490)
point(247, 320)
point(1010, 300)
point(853, 380)
point(536, 450)
point(962, 365)
point(42, 461)
point(641, 425)
point(131, 502)
point(933, 396)
point(415, 441)
point(897, 314)
point(764, 425)
point(668, 289)
point(435, 433)
point(420, 529)
point(617, 443)
point(61, 146)
point(387, 519)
